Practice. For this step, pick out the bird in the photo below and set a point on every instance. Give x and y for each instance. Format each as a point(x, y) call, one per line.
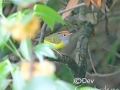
point(59, 40)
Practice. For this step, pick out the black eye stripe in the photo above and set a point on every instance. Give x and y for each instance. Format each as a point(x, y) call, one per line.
point(59, 33)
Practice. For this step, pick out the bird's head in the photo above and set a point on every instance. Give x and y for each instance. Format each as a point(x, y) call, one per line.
point(64, 36)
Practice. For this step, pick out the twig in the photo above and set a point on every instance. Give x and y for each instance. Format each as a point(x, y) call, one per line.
point(103, 75)
point(13, 9)
point(111, 51)
point(42, 33)
point(31, 61)
point(60, 12)
point(76, 6)
point(91, 61)
point(97, 74)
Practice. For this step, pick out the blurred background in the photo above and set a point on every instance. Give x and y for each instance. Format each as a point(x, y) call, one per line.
point(106, 64)
point(102, 51)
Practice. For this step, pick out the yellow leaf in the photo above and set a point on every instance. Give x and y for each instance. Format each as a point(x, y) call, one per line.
point(44, 68)
point(87, 2)
point(97, 3)
point(22, 31)
point(71, 3)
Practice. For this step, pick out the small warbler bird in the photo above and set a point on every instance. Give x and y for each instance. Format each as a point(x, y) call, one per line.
point(59, 40)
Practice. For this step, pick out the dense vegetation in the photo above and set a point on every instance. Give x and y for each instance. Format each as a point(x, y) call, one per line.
point(89, 61)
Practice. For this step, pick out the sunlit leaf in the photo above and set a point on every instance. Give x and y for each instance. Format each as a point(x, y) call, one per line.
point(4, 72)
point(48, 15)
point(24, 3)
point(0, 6)
point(4, 69)
point(4, 36)
point(18, 81)
point(41, 83)
point(64, 85)
point(43, 50)
point(25, 47)
point(87, 88)
point(48, 83)
point(4, 84)
point(14, 15)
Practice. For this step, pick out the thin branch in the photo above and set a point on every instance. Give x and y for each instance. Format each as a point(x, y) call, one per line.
point(111, 51)
point(42, 33)
point(76, 6)
point(60, 12)
point(97, 74)
point(91, 61)
point(103, 75)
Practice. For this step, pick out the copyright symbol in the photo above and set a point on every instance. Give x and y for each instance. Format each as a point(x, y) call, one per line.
point(77, 80)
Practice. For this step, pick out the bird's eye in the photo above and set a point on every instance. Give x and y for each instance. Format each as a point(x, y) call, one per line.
point(64, 35)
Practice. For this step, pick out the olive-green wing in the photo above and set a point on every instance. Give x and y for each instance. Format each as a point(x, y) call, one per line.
point(53, 39)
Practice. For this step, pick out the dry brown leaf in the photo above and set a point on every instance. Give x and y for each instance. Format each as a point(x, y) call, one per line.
point(87, 2)
point(97, 3)
point(71, 3)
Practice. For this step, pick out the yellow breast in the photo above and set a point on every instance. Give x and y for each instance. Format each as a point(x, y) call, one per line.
point(54, 40)
point(56, 45)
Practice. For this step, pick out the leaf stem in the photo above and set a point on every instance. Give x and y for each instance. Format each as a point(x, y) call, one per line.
point(16, 51)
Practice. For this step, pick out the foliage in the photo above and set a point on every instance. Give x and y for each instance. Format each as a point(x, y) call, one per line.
point(22, 27)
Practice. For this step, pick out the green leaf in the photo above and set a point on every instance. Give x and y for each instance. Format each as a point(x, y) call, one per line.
point(4, 72)
point(88, 88)
point(47, 83)
point(26, 16)
point(25, 47)
point(4, 84)
point(110, 56)
point(14, 15)
point(18, 81)
point(6, 2)
point(4, 69)
point(48, 15)
point(65, 74)
point(25, 2)
point(1, 6)
point(65, 85)
point(41, 50)
point(41, 83)
point(4, 36)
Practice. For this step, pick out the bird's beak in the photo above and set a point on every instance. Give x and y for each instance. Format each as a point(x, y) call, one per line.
point(70, 33)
